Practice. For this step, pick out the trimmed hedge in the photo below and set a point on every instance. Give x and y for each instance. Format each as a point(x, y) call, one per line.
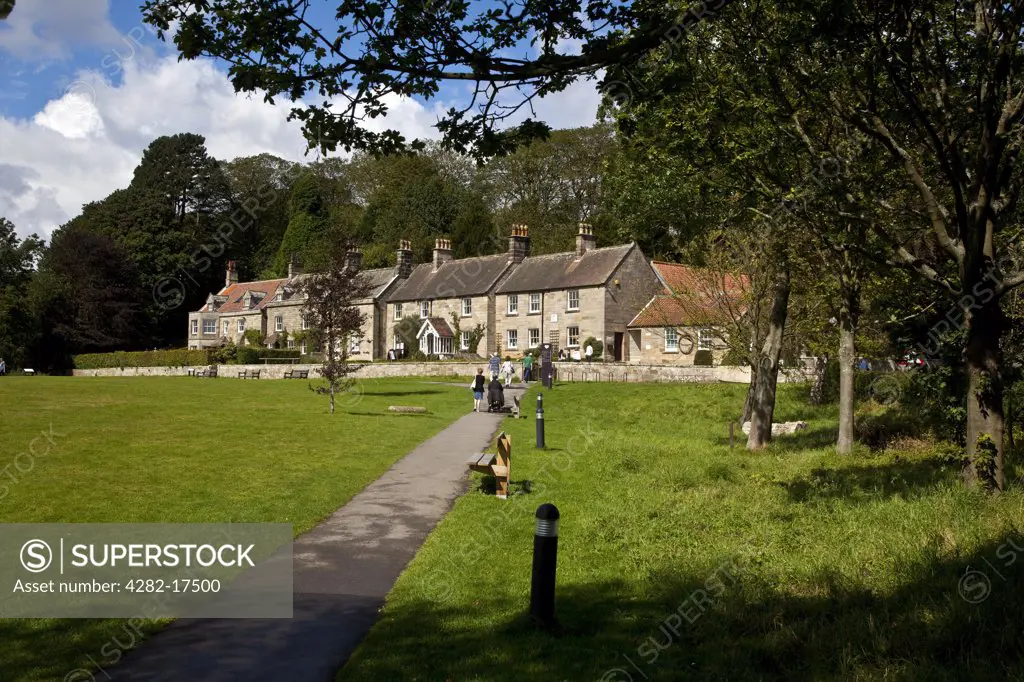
point(181, 357)
point(177, 357)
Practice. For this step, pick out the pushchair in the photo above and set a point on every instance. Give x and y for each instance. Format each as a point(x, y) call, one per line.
point(495, 397)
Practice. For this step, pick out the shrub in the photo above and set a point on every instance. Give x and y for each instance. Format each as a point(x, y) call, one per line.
point(703, 358)
point(734, 358)
point(596, 345)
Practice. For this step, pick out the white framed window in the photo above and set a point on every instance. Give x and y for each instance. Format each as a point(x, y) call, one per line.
point(226, 327)
point(398, 311)
point(424, 309)
point(705, 340)
point(209, 326)
point(278, 323)
point(353, 344)
point(302, 348)
point(572, 336)
point(534, 303)
point(464, 341)
point(534, 338)
point(305, 322)
point(195, 327)
point(573, 300)
point(513, 339)
point(291, 343)
point(467, 307)
point(513, 304)
point(444, 345)
point(241, 325)
point(398, 342)
point(671, 340)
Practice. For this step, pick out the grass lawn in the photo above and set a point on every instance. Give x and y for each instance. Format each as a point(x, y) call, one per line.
point(180, 449)
point(679, 559)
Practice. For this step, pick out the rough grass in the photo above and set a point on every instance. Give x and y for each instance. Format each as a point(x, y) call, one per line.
point(679, 559)
point(181, 449)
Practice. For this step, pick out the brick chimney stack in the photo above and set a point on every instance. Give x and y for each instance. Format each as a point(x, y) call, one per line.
point(403, 267)
point(232, 274)
point(354, 260)
point(442, 252)
point(519, 243)
point(585, 240)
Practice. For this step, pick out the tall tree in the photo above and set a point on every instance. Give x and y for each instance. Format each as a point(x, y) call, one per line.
point(261, 185)
point(309, 227)
point(18, 258)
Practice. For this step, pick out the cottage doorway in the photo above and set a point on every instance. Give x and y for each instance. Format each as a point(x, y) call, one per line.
point(430, 344)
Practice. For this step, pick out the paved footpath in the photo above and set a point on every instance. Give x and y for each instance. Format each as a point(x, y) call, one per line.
point(343, 570)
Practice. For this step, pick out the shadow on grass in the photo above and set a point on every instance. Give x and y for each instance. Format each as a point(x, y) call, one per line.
point(901, 477)
point(402, 394)
point(489, 486)
point(952, 618)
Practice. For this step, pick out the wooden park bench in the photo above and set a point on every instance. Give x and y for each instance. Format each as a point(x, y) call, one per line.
point(297, 374)
point(208, 373)
point(497, 465)
point(249, 374)
point(516, 407)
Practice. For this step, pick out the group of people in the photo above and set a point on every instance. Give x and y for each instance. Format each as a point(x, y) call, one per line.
point(501, 374)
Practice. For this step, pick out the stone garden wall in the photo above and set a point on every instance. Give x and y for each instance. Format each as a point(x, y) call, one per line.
point(567, 371)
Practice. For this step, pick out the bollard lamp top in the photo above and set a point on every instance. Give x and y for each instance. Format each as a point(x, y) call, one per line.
point(547, 512)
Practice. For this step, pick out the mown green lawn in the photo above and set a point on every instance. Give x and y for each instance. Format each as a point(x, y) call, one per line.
point(681, 560)
point(177, 450)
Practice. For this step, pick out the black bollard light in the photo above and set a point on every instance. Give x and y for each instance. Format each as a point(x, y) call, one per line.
point(540, 421)
point(545, 557)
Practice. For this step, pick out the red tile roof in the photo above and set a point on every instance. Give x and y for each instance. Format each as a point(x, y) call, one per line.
point(693, 297)
point(237, 291)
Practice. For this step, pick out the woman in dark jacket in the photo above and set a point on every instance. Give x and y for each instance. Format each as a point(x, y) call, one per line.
point(495, 395)
point(478, 389)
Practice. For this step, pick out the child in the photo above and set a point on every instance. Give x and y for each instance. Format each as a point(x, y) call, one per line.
point(507, 370)
point(478, 389)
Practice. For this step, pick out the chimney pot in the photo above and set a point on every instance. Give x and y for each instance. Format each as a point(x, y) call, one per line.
point(442, 252)
point(403, 266)
point(585, 240)
point(519, 244)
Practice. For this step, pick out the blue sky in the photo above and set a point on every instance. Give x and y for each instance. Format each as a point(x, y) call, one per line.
point(85, 86)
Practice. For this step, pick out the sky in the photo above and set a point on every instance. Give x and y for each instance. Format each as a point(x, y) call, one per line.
point(85, 86)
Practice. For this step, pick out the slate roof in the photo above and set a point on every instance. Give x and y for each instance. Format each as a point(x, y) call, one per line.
point(454, 279)
point(440, 326)
point(565, 270)
point(689, 299)
point(237, 291)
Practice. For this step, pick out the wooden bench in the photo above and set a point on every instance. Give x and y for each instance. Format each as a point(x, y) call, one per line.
point(249, 374)
point(297, 374)
point(497, 465)
point(208, 373)
point(516, 409)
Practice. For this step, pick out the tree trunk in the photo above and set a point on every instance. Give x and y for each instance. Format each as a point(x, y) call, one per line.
point(847, 355)
point(767, 369)
point(748, 404)
point(984, 396)
point(849, 316)
point(820, 374)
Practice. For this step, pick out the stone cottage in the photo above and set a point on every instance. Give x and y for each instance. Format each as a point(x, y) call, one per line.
point(690, 314)
point(275, 308)
point(565, 298)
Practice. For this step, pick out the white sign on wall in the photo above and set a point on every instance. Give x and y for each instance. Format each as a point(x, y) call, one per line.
point(554, 317)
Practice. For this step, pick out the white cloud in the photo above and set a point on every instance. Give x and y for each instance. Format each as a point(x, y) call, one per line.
point(86, 144)
point(39, 30)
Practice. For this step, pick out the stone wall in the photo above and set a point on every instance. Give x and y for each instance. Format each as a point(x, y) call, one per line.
point(567, 371)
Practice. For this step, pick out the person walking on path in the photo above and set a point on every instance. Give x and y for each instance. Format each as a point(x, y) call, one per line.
point(527, 368)
point(478, 389)
point(493, 364)
point(3, 367)
point(507, 370)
